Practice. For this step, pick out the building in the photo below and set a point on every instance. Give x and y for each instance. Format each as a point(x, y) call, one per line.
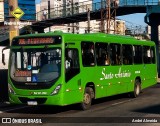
point(1, 11)
point(120, 27)
point(28, 7)
point(148, 31)
point(55, 6)
point(69, 7)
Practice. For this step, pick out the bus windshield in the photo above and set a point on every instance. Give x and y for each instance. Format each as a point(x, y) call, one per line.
point(35, 65)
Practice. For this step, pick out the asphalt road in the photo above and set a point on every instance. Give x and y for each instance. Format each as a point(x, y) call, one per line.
point(117, 110)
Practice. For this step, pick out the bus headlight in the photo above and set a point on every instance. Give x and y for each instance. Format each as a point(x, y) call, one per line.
point(10, 89)
point(56, 90)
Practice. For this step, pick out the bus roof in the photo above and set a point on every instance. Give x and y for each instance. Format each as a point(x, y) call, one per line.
point(95, 37)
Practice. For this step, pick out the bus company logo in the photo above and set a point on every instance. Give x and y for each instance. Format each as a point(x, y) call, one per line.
point(29, 67)
point(6, 120)
point(31, 93)
point(17, 13)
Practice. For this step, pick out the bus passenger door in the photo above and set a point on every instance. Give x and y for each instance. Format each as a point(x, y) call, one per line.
point(73, 93)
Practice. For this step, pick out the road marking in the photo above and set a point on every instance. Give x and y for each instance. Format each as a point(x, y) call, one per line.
point(121, 102)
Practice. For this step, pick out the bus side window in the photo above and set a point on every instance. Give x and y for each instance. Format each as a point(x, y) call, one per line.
point(102, 55)
point(146, 54)
point(153, 54)
point(127, 54)
point(115, 54)
point(72, 67)
point(88, 56)
point(137, 54)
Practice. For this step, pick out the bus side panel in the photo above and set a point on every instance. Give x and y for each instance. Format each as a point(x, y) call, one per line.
point(73, 91)
point(149, 75)
point(111, 78)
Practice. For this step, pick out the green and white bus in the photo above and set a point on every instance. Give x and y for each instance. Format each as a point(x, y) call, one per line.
point(59, 68)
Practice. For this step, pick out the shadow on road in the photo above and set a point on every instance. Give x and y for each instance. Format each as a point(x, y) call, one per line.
point(70, 108)
point(155, 109)
point(107, 101)
point(41, 109)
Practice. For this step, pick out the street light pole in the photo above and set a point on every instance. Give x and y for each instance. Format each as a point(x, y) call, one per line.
point(13, 31)
point(88, 17)
point(72, 15)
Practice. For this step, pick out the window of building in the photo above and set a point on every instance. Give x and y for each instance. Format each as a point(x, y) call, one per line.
point(127, 54)
point(137, 54)
point(102, 55)
point(115, 54)
point(88, 56)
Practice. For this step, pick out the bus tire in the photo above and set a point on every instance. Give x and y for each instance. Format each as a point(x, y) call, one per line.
point(137, 89)
point(87, 99)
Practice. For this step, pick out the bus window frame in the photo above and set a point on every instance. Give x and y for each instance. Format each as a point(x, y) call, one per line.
point(69, 71)
point(131, 54)
point(109, 46)
point(141, 55)
point(106, 51)
point(94, 56)
point(150, 62)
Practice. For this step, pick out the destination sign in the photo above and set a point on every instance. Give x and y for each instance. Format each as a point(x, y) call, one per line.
point(23, 74)
point(35, 41)
point(48, 40)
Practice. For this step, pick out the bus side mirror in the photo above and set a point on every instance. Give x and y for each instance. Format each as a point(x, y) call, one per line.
point(3, 59)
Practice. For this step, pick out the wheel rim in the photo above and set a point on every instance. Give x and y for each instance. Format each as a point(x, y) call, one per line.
point(87, 98)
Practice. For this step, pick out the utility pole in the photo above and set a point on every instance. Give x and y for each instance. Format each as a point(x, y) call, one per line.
point(72, 15)
point(111, 15)
point(49, 13)
point(108, 15)
point(13, 31)
point(102, 17)
point(88, 17)
point(115, 6)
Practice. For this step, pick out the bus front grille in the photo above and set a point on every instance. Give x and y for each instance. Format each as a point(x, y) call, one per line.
point(38, 100)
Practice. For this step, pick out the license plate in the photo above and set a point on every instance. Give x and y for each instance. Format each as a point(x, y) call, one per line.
point(32, 103)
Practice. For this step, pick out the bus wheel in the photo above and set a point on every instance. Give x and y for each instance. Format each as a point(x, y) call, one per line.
point(137, 89)
point(87, 99)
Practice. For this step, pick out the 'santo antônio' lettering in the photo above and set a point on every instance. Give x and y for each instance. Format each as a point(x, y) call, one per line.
point(120, 74)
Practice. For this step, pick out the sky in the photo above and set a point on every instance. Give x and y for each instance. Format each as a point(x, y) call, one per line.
point(38, 1)
point(132, 19)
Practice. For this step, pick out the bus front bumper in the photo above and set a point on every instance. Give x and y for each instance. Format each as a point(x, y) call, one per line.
point(35, 100)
